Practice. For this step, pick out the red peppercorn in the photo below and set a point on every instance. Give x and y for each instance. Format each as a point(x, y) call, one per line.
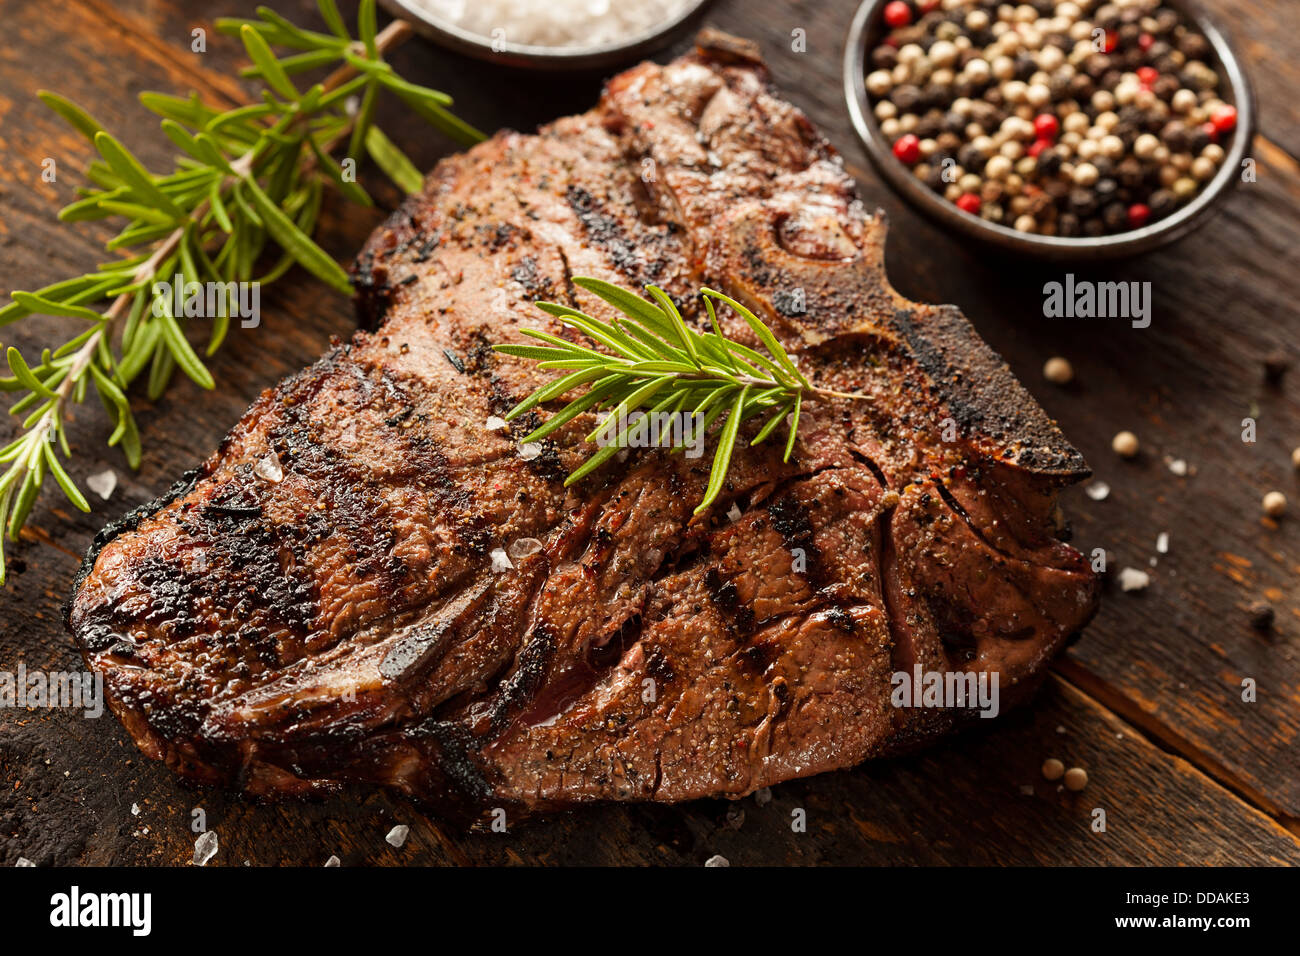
point(925, 6)
point(969, 202)
point(908, 149)
point(1046, 126)
point(1138, 214)
point(1210, 130)
point(1224, 119)
point(1145, 41)
point(1147, 75)
point(1037, 146)
point(898, 14)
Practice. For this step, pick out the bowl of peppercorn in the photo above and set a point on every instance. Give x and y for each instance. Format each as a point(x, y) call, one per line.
point(1063, 129)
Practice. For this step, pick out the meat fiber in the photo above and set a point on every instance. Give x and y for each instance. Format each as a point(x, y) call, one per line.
point(366, 583)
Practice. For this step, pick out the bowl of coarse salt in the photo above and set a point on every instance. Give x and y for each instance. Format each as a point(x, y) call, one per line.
point(548, 34)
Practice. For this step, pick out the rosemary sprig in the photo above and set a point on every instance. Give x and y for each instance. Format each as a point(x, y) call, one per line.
point(657, 363)
point(250, 179)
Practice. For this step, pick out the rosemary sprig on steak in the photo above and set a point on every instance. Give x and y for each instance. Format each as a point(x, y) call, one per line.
point(660, 365)
point(249, 180)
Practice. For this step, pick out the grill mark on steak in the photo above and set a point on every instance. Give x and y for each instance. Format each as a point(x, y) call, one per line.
point(644, 653)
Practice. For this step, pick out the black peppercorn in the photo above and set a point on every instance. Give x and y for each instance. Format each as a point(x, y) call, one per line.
point(1094, 228)
point(905, 97)
point(1193, 46)
point(1276, 365)
point(929, 126)
point(948, 143)
point(1082, 202)
point(1115, 216)
point(1166, 20)
point(1129, 172)
point(1175, 136)
point(1067, 225)
point(1165, 87)
point(1081, 87)
point(1262, 615)
point(1096, 65)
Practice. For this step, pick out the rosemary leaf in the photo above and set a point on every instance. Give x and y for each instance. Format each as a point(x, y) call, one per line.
point(245, 181)
point(660, 364)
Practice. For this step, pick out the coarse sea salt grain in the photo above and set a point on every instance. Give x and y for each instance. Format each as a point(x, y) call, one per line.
point(1162, 542)
point(1098, 491)
point(1178, 467)
point(205, 847)
point(501, 560)
point(102, 483)
point(733, 513)
point(397, 835)
point(495, 424)
point(1133, 579)
point(333, 861)
point(530, 450)
point(555, 23)
point(23, 861)
point(717, 860)
point(523, 547)
point(269, 469)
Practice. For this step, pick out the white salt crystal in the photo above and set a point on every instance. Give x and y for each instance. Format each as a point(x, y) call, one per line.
point(102, 483)
point(23, 861)
point(205, 847)
point(717, 860)
point(734, 512)
point(530, 450)
point(1162, 542)
point(333, 861)
point(1098, 491)
point(397, 835)
point(1178, 467)
point(556, 23)
point(1133, 579)
point(268, 469)
point(135, 809)
point(501, 561)
point(523, 547)
point(495, 424)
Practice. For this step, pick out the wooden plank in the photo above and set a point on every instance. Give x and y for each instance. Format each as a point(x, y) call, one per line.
point(1171, 658)
point(979, 799)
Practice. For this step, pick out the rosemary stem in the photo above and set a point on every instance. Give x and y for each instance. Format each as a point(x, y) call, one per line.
point(391, 36)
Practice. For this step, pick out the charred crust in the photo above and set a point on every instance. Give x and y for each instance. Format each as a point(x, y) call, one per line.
point(128, 522)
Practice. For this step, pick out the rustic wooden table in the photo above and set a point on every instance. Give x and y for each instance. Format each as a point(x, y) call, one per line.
point(1150, 701)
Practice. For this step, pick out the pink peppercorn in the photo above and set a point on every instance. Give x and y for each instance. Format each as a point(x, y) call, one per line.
point(898, 14)
point(908, 149)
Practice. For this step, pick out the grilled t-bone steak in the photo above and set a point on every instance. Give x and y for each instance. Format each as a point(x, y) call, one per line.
point(319, 603)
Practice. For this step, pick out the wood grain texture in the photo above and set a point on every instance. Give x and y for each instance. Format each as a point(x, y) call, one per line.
point(1178, 785)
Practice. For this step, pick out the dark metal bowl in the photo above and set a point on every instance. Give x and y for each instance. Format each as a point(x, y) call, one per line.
point(540, 57)
point(866, 32)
